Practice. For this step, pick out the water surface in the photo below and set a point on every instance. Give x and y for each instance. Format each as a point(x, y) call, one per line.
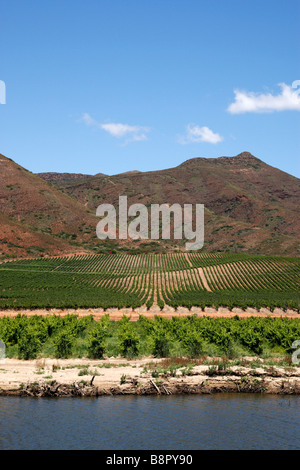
point(220, 421)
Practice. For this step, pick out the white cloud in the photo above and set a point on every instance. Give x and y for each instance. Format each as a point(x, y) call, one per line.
point(118, 130)
point(196, 134)
point(86, 118)
point(123, 130)
point(250, 102)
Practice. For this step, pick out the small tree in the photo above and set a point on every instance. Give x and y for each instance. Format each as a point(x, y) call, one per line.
point(193, 345)
point(29, 344)
point(64, 343)
point(128, 342)
point(97, 345)
point(161, 346)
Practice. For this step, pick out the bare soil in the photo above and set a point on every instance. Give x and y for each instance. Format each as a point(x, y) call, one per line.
point(167, 312)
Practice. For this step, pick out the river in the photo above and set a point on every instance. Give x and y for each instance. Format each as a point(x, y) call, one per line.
point(220, 421)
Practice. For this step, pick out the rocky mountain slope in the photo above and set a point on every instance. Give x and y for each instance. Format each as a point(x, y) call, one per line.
point(249, 205)
point(37, 216)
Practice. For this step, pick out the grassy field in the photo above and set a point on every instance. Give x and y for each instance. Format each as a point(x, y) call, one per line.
point(125, 280)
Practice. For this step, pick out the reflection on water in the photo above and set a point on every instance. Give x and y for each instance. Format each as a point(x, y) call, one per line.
point(221, 421)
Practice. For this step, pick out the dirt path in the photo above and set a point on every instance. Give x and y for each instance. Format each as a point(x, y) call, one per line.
point(203, 279)
point(168, 312)
point(188, 259)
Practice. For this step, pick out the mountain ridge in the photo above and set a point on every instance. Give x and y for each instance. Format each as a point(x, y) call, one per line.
point(250, 206)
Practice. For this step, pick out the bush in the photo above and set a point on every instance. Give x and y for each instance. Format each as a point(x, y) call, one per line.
point(97, 345)
point(29, 344)
point(193, 345)
point(161, 346)
point(128, 340)
point(64, 342)
point(252, 340)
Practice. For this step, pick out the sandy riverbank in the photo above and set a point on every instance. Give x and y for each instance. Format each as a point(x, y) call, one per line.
point(118, 376)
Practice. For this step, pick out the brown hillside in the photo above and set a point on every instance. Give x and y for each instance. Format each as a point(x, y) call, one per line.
point(17, 239)
point(27, 199)
point(62, 178)
point(250, 206)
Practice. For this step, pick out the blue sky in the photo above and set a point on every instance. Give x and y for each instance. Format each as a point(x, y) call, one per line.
point(111, 86)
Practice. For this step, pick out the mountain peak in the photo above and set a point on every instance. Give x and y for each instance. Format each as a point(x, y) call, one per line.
point(245, 155)
point(243, 158)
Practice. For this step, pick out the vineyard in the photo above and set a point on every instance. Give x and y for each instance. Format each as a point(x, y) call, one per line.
point(70, 336)
point(125, 280)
